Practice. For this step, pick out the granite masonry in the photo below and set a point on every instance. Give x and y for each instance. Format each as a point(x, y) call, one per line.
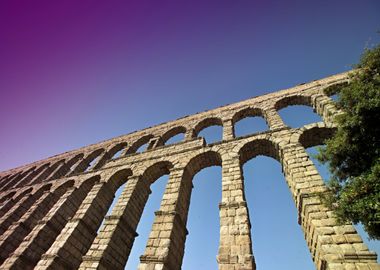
point(53, 211)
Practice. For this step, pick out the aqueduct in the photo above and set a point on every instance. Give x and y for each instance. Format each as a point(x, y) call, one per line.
point(53, 211)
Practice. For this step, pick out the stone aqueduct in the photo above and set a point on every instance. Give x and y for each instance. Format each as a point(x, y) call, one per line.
point(52, 210)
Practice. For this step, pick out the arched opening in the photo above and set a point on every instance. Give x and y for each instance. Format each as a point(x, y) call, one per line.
point(113, 203)
point(32, 176)
point(15, 235)
point(31, 249)
point(88, 163)
point(47, 173)
point(296, 116)
point(116, 183)
point(174, 135)
point(297, 111)
point(19, 179)
point(333, 90)
point(115, 152)
point(4, 179)
point(203, 223)
point(153, 184)
point(312, 139)
point(68, 166)
point(203, 220)
point(15, 199)
point(7, 196)
point(93, 163)
point(250, 125)
point(273, 214)
point(211, 129)
point(335, 97)
point(146, 221)
point(176, 139)
point(140, 145)
point(249, 121)
point(19, 209)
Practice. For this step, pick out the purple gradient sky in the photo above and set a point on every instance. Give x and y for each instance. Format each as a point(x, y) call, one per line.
point(77, 72)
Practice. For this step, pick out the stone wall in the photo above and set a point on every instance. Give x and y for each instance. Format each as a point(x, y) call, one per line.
point(52, 210)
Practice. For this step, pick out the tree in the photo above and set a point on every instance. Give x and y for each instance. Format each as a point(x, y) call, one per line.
point(353, 153)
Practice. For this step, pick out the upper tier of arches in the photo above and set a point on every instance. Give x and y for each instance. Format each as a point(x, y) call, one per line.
point(191, 127)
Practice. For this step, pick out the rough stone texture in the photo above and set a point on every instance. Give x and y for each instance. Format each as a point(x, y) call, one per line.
point(52, 212)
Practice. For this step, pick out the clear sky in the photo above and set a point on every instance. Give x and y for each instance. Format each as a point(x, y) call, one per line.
point(78, 72)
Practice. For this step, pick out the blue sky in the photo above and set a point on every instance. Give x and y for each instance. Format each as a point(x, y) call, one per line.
point(75, 73)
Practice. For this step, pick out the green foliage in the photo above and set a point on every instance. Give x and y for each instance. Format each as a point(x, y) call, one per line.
point(353, 153)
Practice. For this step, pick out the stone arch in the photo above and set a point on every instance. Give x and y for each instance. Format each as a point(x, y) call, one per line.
point(22, 206)
point(156, 170)
point(171, 133)
point(66, 167)
point(293, 100)
point(207, 122)
point(85, 163)
point(313, 135)
point(116, 148)
point(192, 167)
point(333, 89)
point(31, 176)
point(59, 188)
point(8, 181)
point(13, 200)
point(38, 241)
point(4, 179)
point(165, 248)
point(49, 171)
point(117, 179)
point(7, 196)
point(201, 161)
point(17, 231)
point(313, 101)
point(109, 155)
point(258, 147)
point(13, 180)
point(91, 213)
point(137, 144)
point(124, 219)
point(275, 149)
point(247, 112)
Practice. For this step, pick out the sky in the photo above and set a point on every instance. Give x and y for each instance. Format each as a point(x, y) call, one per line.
point(74, 73)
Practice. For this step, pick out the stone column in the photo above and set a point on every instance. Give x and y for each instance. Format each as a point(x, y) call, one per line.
point(235, 246)
point(10, 181)
point(6, 196)
point(4, 179)
point(16, 180)
point(48, 172)
point(55, 171)
point(166, 243)
point(273, 119)
point(113, 244)
point(78, 234)
point(189, 135)
point(332, 246)
point(66, 167)
point(20, 208)
point(15, 234)
point(43, 235)
point(6, 206)
point(228, 130)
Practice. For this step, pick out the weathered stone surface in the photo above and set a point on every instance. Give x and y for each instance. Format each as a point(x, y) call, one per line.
point(53, 211)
